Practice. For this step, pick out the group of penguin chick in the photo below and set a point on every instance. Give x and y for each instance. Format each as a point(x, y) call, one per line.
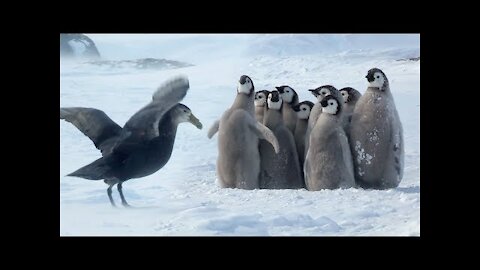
point(266, 139)
point(270, 140)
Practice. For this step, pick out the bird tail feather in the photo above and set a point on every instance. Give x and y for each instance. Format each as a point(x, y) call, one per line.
point(96, 170)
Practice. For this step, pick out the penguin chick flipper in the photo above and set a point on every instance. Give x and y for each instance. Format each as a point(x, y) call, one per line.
point(265, 133)
point(213, 129)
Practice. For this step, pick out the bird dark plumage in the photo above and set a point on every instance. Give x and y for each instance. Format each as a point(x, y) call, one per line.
point(145, 143)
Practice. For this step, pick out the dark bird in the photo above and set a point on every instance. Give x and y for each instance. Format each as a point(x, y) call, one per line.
point(143, 146)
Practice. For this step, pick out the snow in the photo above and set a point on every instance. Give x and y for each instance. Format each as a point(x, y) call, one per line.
point(184, 198)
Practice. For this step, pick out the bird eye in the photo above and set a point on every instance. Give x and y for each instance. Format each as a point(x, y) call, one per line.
point(184, 110)
point(304, 109)
point(288, 91)
point(378, 76)
point(323, 93)
point(331, 103)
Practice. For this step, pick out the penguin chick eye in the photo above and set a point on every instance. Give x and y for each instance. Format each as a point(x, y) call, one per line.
point(304, 109)
point(287, 91)
point(324, 93)
point(343, 93)
point(378, 76)
point(184, 111)
point(331, 103)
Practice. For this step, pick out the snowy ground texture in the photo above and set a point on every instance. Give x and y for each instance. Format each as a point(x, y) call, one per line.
point(184, 198)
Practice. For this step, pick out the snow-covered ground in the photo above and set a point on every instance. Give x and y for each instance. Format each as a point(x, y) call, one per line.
point(183, 198)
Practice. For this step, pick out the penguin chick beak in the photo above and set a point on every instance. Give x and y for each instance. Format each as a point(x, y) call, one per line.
point(243, 79)
point(370, 78)
point(324, 103)
point(313, 92)
point(296, 108)
point(194, 120)
point(279, 89)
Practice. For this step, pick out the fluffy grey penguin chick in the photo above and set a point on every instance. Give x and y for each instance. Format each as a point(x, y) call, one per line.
point(260, 104)
point(290, 99)
point(282, 170)
point(238, 163)
point(376, 136)
point(328, 164)
point(350, 98)
point(303, 110)
point(320, 93)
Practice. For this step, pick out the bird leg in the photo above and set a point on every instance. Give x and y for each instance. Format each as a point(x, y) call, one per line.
point(109, 192)
point(124, 202)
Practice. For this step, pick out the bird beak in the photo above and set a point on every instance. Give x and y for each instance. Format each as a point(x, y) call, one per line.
point(194, 120)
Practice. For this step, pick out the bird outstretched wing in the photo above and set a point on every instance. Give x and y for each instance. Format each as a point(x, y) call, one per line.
point(143, 125)
point(94, 123)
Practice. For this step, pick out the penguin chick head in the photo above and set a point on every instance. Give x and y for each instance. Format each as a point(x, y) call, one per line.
point(287, 93)
point(376, 78)
point(245, 85)
point(261, 98)
point(349, 94)
point(274, 100)
point(321, 92)
point(331, 105)
point(182, 113)
point(303, 109)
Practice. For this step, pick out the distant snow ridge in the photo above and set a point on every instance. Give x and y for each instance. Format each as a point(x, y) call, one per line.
point(304, 44)
point(144, 63)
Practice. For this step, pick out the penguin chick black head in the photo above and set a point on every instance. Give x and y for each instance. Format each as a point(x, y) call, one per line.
point(376, 78)
point(331, 105)
point(245, 85)
point(182, 113)
point(274, 100)
point(288, 94)
point(261, 98)
point(323, 91)
point(349, 94)
point(303, 109)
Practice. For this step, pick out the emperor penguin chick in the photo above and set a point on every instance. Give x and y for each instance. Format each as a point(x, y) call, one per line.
point(376, 136)
point(260, 104)
point(320, 93)
point(329, 164)
point(290, 99)
point(303, 110)
point(238, 163)
point(350, 98)
point(282, 170)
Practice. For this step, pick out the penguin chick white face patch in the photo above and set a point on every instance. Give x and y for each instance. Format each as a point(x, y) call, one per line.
point(344, 95)
point(275, 105)
point(378, 81)
point(245, 88)
point(332, 107)
point(260, 99)
point(304, 112)
point(288, 94)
